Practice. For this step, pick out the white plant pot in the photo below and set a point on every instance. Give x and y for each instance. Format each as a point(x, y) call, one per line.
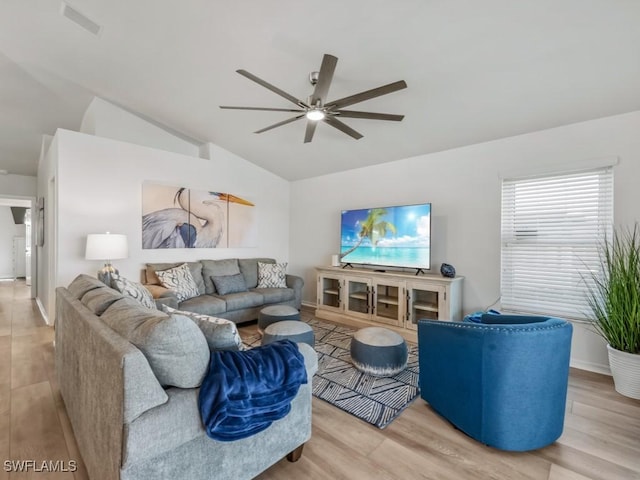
point(625, 368)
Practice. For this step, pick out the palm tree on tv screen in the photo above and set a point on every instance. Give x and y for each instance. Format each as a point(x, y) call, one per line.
point(374, 228)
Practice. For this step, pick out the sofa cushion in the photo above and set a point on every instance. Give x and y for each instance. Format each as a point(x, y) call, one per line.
point(134, 290)
point(237, 301)
point(173, 345)
point(272, 275)
point(221, 334)
point(276, 295)
point(205, 304)
point(99, 299)
point(194, 267)
point(216, 268)
point(229, 283)
point(180, 281)
point(82, 284)
point(249, 269)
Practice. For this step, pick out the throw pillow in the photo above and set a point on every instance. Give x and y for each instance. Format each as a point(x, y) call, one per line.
point(229, 283)
point(175, 348)
point(99, 299)
point(272, 275)
point(82, 284)
point(180, 281)
point(134, 290)
point(221, 334)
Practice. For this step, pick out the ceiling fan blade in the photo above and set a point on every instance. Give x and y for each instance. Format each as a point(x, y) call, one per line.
point(279, 124)
point(264, 109)
point(311, 129)
point(362, 96)
point(369, 115)
point(334, 122)
point(324, 79)
point(274, 89)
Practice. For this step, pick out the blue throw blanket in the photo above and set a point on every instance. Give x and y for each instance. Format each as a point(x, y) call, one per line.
point(244, 392)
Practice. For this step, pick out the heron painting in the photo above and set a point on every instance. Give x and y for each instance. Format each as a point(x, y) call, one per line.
point(178, 217)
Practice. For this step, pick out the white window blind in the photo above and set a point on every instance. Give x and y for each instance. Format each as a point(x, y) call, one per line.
point(552, 228)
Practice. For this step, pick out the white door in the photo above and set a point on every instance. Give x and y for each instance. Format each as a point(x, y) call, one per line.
point(19, 257)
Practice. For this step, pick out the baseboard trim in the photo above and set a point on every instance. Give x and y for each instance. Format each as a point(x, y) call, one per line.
point(590, 367)
point(581, 365)
point(42, 311)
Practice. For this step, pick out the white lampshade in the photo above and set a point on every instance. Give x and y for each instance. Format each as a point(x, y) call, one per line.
point(106, 246)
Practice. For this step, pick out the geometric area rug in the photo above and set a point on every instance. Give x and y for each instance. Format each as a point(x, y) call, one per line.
point(376, 400)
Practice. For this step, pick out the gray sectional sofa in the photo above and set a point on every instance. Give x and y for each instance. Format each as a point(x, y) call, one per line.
point(114, 359)
point(238, 307)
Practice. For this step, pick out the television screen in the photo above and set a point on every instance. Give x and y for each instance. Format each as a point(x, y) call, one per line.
point(397, 236)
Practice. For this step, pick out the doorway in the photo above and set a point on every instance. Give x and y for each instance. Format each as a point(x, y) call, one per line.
point(16, 240)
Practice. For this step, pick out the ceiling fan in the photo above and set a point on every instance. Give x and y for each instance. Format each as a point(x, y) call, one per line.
point(317, 109)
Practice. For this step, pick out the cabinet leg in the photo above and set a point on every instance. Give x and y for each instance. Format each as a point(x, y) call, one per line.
point(296, 454)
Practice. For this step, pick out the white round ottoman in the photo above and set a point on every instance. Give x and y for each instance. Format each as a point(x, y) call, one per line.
point(293, 330)
point(276, 313)
point(378, 351)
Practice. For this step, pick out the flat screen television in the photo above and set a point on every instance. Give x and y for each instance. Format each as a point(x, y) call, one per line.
point(398, 236)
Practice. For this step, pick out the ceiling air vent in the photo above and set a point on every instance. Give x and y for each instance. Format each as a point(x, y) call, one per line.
point(78, 18)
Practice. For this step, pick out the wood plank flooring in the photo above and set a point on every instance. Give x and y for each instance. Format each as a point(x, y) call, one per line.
point(601, 438)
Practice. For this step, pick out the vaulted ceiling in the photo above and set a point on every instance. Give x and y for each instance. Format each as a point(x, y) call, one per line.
point(476, 71)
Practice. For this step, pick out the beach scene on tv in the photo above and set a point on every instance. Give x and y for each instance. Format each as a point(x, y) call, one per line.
point(398, 236)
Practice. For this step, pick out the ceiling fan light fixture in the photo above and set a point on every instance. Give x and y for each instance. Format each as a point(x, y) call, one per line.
point(317, 109)
point(315, 114)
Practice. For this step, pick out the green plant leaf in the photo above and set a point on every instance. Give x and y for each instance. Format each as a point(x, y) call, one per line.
point(614, 296)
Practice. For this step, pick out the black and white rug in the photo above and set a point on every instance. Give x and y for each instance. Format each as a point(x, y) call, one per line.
point(375, 400)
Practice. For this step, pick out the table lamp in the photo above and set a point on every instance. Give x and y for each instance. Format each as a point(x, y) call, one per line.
point(107, 247)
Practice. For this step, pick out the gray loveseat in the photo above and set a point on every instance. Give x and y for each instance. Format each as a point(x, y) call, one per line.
point(127, 424)
point(239, 307)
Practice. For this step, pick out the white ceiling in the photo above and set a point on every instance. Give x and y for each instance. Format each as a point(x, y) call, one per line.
point(476, 71)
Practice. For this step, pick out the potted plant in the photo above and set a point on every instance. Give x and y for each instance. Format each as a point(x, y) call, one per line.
point(614, 301)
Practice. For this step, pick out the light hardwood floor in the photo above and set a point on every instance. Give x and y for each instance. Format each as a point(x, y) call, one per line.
point(601, 438)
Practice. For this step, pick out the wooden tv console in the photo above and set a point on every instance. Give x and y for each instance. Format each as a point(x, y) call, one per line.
point(395, 300)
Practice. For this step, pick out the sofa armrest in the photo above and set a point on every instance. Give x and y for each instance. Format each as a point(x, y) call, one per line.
point(296, 283)
point(310, 359)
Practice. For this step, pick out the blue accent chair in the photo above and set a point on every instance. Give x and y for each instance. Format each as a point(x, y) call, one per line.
point(501, 379)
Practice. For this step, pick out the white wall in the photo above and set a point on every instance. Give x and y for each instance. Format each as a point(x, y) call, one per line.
point(464, 187)
point(8, 230)
point(46, 257)
point(17, 186)
point(105, 119)
point(99, 185)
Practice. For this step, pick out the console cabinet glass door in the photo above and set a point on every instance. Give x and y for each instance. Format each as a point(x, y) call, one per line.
point(330, 292)
point(423, 303)
point(358, 297)
point(388, 302)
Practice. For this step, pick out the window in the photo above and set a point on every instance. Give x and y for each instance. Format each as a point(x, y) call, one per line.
point(551, 229)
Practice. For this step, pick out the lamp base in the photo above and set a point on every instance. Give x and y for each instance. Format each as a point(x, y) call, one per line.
point(106, 274)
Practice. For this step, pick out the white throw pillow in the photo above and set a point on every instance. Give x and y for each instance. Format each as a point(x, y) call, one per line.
point(134, 290)
point(272, 275)
point(221, 334)
point(180, 281)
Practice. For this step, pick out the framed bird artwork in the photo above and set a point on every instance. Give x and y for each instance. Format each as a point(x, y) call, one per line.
point(180, 217)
